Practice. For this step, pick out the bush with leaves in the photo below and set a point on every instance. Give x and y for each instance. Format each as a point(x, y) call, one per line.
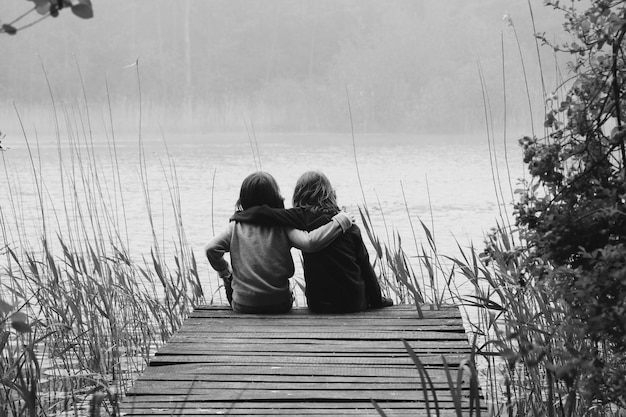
point(49, 8)
point(572, 214)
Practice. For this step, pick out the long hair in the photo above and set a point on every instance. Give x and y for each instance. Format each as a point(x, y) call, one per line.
point(257, 189)
point(313, 190)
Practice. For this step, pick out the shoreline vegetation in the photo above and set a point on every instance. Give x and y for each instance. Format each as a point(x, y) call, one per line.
point(81, 312)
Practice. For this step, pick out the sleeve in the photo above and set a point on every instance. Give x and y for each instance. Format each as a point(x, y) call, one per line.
point(267, 216)
point(215, 250)
point(321, 237)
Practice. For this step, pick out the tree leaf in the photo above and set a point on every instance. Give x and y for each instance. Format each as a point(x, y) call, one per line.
point(10, 30)
point(5, 308)
point(43, 8)
point(83, 9)
point(19, 322)
point(4, 338)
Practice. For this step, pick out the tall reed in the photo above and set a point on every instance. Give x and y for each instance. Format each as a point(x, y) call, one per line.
point(517, 329)
point(80, 312)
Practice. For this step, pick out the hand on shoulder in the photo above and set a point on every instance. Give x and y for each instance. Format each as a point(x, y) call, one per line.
point(345, 220)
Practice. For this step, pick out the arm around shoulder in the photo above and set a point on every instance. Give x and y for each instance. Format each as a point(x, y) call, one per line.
point(321, 237)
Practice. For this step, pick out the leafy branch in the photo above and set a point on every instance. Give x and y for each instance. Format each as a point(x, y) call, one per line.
point(49, 8)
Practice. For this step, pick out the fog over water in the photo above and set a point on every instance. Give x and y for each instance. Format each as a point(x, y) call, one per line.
point(282, 65)
point(215, 79)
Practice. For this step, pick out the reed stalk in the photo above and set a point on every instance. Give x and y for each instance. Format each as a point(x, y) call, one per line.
point(80, 317)
point(356, 162)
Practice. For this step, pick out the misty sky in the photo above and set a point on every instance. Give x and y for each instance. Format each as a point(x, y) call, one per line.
point(284, 65)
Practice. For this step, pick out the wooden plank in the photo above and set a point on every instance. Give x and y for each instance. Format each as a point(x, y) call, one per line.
point(270, 358)
point(398, 310)
point(146, 386)
point(307, 395)
point(303, 350)
point(302, 364)
point(300, 349)
point(293, 405)
point(288, 409)
point(302, 321)
point(304, 379)
point(199, 410)
point(303, 360)
point(288, 336)
point(196, 324)
point(272, 413)
point(243, 369)
point(317, 343)
point(317, 374)
point(149, 386)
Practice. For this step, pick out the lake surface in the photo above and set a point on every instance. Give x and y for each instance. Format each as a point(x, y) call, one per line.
point(445, 181)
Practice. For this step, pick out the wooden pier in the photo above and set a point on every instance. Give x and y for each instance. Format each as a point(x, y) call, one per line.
point(302, 364)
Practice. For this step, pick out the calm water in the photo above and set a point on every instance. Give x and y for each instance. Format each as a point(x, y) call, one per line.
point(450, 177)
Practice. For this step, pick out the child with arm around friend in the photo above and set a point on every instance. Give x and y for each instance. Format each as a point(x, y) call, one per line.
point(339, 278)
point(258, 281)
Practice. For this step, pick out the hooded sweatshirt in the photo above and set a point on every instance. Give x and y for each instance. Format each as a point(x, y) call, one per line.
point(339, 278)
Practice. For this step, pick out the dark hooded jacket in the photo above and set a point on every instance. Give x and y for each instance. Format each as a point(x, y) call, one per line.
point(339, 278)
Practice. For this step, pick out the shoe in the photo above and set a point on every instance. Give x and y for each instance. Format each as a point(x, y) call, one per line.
point(384, 302)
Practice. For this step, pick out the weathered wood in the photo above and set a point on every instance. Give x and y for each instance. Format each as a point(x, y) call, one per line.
point(322, 326)
point(302, 379)
point(304, 395)
point(345, 370)
point(156, 403)
point(303, 360)
point(152, 386)
point(398, 311)
point(304, 349)
point(357, 409)
point(347, 335)
point(303, 364)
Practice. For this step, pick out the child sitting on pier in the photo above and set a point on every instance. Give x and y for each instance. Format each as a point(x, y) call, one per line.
point(261, 254)
point(339, 278)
